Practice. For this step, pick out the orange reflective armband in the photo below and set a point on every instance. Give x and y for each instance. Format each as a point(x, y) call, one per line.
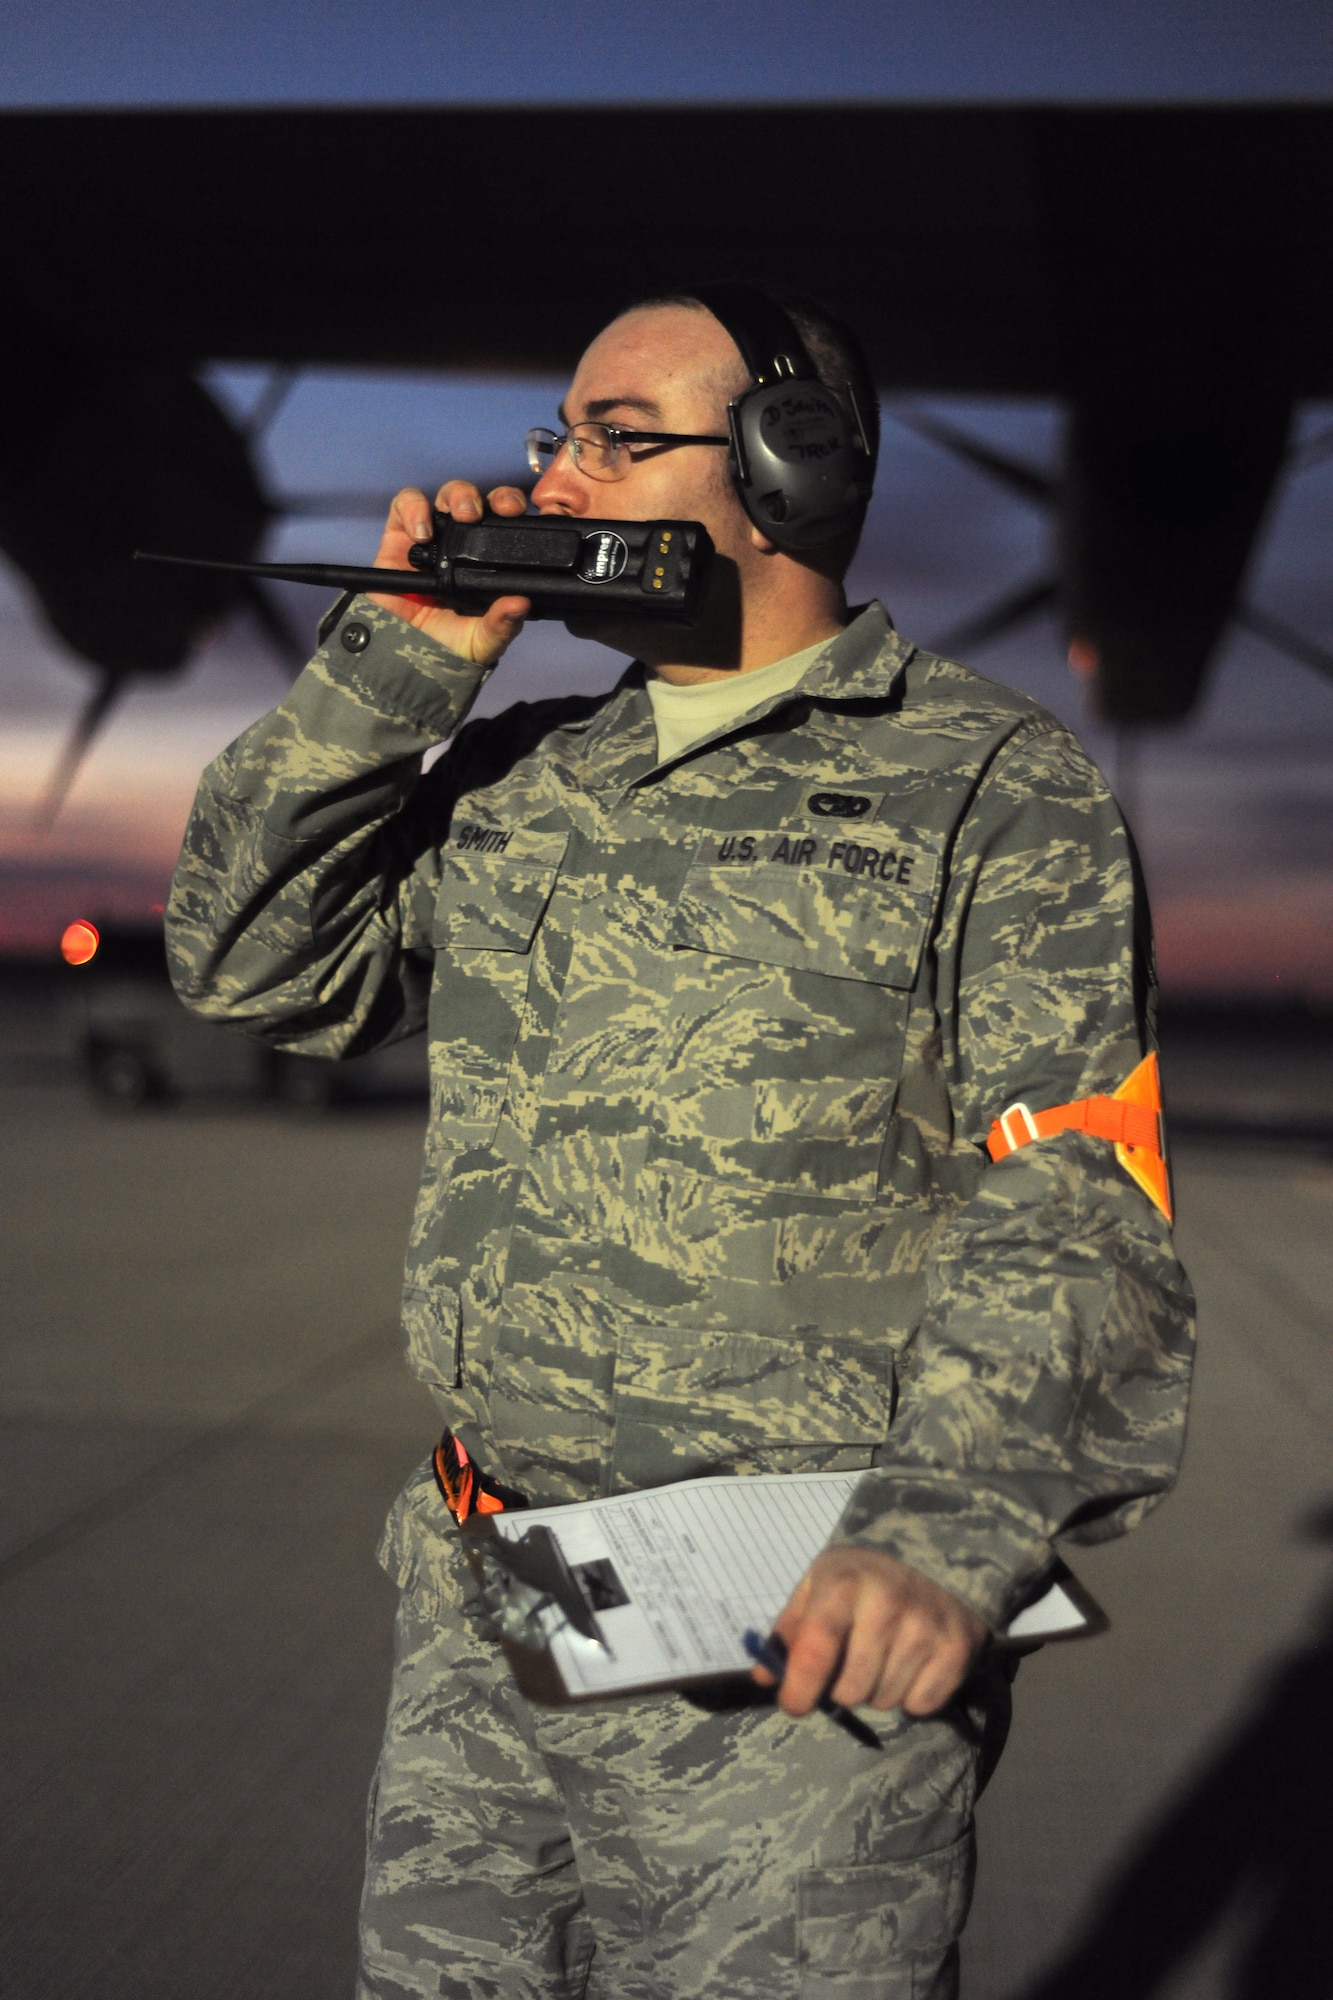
point(1131, 1119)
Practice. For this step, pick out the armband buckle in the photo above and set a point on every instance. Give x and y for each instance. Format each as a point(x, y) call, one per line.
point(1018, 1111)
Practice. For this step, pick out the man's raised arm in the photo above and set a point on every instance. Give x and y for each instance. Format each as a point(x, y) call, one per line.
point(304, 883)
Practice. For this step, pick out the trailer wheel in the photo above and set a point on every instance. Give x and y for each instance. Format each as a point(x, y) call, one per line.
point(307, 1084)
point(123, 1077)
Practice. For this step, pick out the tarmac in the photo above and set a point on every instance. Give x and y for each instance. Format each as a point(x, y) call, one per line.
point(203, 1418)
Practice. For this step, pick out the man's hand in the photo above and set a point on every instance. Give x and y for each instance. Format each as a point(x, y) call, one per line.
point(480, 639)
point(863, 1627)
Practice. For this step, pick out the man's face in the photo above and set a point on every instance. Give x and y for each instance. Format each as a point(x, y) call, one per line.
point(662, 368)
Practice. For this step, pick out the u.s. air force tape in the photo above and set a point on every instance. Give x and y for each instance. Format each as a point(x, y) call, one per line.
point(878, 861)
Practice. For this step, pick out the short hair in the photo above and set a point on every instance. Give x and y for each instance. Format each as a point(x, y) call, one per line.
point(837, 353)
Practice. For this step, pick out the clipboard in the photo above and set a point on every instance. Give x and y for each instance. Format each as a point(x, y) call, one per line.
point(668, 1580)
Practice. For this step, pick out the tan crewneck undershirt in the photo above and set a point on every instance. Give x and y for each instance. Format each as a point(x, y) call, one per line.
point(684, 714)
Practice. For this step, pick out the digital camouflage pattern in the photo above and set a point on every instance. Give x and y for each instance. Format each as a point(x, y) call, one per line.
point(714, 1047)
point(714, 1051)
point(642, 1849)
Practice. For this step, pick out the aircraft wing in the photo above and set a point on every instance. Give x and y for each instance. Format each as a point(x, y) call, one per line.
point(1003, 250)
point(1167, 272)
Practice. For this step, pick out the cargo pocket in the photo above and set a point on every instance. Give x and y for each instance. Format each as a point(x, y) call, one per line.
point(488, 908)
point(884, 1932)
point(784, 1039)
point(687, 1401)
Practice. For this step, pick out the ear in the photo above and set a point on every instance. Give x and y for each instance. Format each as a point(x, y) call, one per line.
point(760, 541)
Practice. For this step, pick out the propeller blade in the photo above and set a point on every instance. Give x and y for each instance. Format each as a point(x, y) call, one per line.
point(77, 746)
point(1285, 639)
point(268, 403)
point(331, 506)
point(1028, 481)
point(1313, 452)
point(1000, 618)
point(281, 634)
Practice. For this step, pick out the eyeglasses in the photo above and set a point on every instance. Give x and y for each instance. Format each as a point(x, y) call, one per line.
point(603, 451)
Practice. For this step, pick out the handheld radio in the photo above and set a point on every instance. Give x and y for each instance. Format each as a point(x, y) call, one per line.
point(569, 568)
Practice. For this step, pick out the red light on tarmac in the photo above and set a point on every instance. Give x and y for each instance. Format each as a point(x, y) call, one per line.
point(1084, 658)
point(80, 942)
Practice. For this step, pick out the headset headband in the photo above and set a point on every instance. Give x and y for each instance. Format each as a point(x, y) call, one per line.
point(766, 335)
point(799, 455)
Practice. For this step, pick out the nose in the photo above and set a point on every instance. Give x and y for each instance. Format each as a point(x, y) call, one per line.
point(561, 489)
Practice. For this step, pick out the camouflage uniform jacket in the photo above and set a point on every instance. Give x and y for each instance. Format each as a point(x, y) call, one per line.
point(714, 1049)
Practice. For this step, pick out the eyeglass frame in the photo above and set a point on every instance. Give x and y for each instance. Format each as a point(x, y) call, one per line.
point(617, 435)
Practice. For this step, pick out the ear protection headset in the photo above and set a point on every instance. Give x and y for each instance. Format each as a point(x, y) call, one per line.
point(801, 464)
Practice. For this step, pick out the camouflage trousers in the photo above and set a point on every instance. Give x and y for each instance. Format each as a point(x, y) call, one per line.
point(643, 1849)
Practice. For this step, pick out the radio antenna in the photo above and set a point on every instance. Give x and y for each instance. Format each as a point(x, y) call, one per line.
point(338, 576)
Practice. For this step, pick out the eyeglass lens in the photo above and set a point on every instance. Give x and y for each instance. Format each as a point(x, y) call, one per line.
point(590, 447)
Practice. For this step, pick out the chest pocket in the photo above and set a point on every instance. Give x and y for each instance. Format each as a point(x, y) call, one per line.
point(495, 885)
point(794, 965)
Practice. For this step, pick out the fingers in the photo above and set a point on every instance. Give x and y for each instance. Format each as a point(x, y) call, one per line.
point(410, 514)
point(923, 1664)
point(409, 518)
point(937, 1683)
point(498, 628)
point(866, 1628)
point(791, 1616)
point(905, 1647)
point(460, 498)
point(813, 1657)
point(481, 639)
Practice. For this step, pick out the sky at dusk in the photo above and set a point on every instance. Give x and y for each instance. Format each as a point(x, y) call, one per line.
point(1231, 809)
point(524, 51)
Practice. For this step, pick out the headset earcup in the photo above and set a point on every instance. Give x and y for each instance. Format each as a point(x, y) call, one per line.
point(796, 462)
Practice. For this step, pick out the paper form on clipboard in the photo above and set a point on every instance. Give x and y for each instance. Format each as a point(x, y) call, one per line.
point(674, 1576)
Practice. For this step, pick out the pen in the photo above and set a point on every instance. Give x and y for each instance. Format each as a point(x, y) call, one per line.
point(771, 1653)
